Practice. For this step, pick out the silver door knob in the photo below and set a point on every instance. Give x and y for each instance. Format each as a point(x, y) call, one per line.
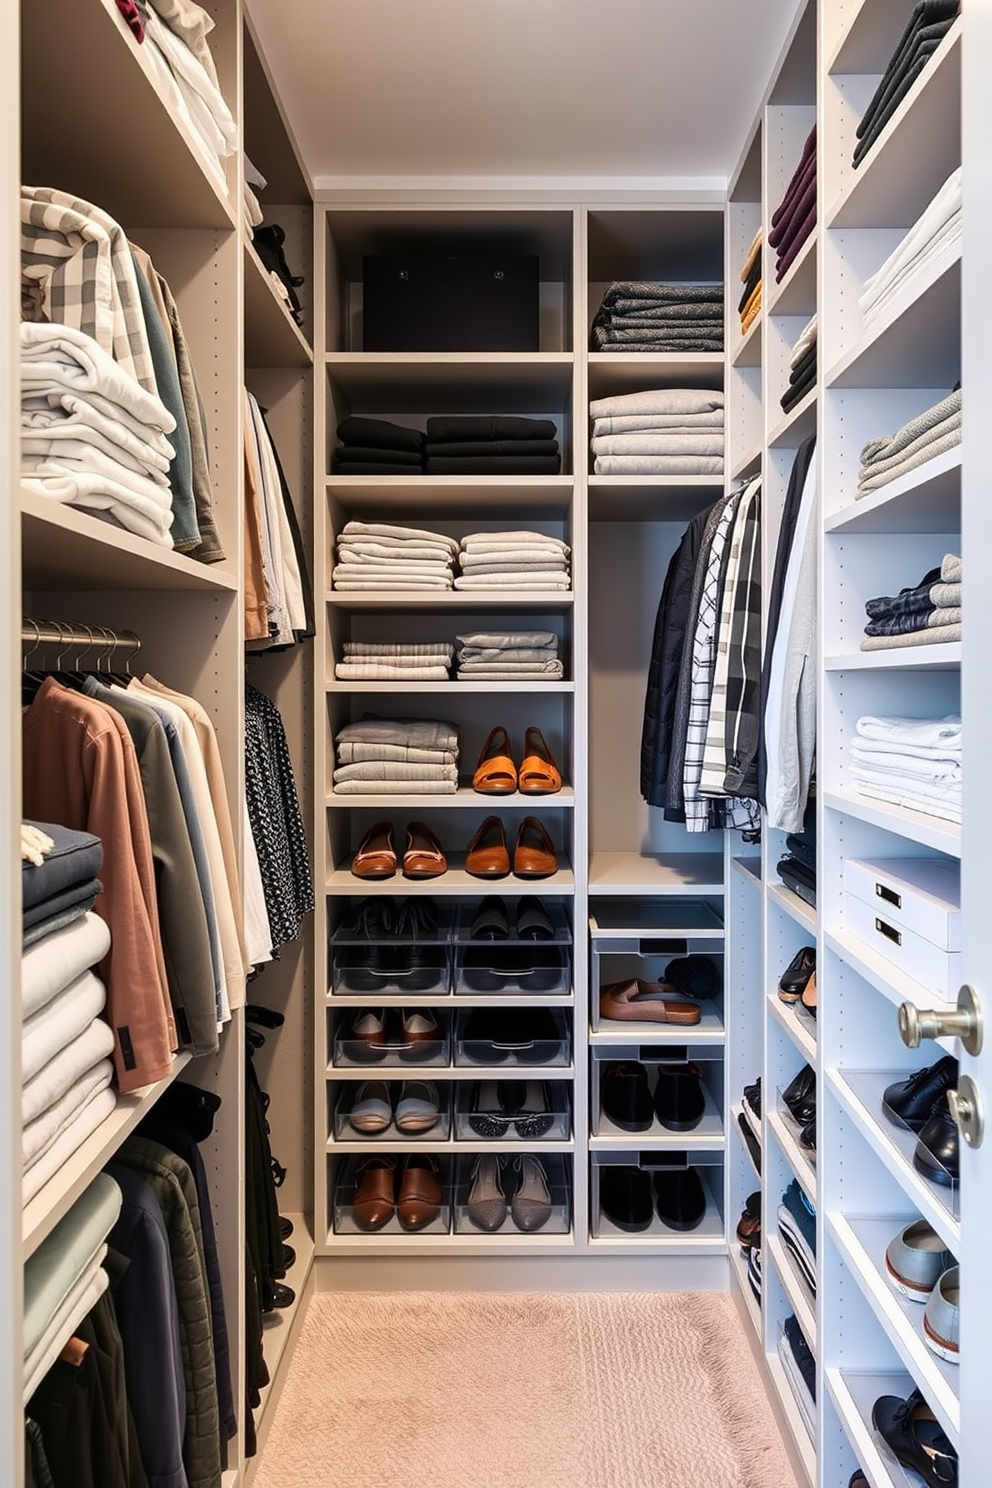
point(965, 1023)
point(966, 1111)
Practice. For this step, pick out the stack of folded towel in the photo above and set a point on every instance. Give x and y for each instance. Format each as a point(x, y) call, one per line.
point(91, 435)
point(926, 615)
point(800, 1370)
point(395, 661)
point(509, 656)
point(750, 300)
point(371, 446)
point(795, 217)
point(378, 555)
point(911, 762)
point(66, 1045)
point(797, 1226)
point(512, 560)
point(465, 445)
point(641, 316)
point(667, 431)
point(924, 438)
point(928, 24)
point(802, 367)
point(935, 234)
point(396, 756)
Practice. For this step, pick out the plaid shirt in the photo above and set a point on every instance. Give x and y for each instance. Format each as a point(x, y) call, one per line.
point(742, 722)
point(80, 255)
point(697, 808)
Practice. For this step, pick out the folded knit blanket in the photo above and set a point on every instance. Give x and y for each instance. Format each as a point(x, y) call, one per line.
point(915, 764)
point(921, 439)
point(545, 640)
point(393, 770)
point(922, 733)
point(658, 401)
point(659, 423)
point(661, 293)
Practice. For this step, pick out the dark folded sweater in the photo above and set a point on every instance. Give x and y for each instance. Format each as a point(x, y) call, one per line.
point(493, 465)
point(357, 454)
point(796, 391)
point(458, 428)
point(484, 449)
point(379, 434)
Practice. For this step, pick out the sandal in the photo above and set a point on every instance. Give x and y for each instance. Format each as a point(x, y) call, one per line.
point(539, 775)
point(495, 773)
point(423, 857)
point(376, 855)
point(530, 859)
point(645, 1002)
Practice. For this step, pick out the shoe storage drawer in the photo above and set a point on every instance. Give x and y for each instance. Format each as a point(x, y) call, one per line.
point(347, 1183)
point(518, 1110)
point(554, 1219)
point(513, 1037)
point(646, 1223)
point(396, 1051)
point(631, 941)
point(516, 964)
point(934, 967)
point(347, 1096)
point(400, 966)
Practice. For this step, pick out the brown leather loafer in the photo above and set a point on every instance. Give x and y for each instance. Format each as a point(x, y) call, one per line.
point(423, 857)
point(419, 1202)
point(539, 775)
point(645, 1002)
point(534, 852)
point(421, 1034)
point(374, 1203)
point(487, 855)
point(495, 773)
point(376, 856)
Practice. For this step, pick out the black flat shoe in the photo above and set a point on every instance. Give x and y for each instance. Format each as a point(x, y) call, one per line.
point(625, 1198)
point(912, 1434)
point(529, 1104)
point(680, 1198)
point(625, 1096)
point(910, 1102)
point(491, 920)
point(679, 1101)
point(750, 1140)
point(800, 1095)
point(937, 1149)
point(792, 982)
point(533, 920)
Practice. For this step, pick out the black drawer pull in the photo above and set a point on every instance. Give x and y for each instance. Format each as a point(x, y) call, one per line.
point(889, 932)
point(889, 895)
point(663, 947)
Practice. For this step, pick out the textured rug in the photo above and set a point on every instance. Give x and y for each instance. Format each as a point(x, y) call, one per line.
point(523, 1390)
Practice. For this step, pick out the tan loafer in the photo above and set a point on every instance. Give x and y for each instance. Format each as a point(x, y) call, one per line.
point(635, 1001)
point(419, 1201)
point(376, 856)
point(374, 1203)
point(487, 855)
point(534, 852)
point(423, 857)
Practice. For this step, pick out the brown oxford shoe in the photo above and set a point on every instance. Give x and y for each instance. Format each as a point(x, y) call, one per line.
point(419, 1202)
point(374, 1203)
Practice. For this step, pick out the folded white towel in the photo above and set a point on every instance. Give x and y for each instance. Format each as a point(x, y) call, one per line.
point(660, 444)
point(85, 421)
point(935, 732)
point(101, 493)
point(52, 1081)
point(909, 766)
point(56, 357)
point(390, 530)
point(39, 1134)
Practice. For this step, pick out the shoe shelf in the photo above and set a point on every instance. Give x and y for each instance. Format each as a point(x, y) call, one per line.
point(793, 1415)
point(794, 1155)
point(736, 1113)
point(450, 1146)
point(916, 340)
point(915, 826)
point(795, 426)
point(797, 291)
point(706, 1136)
point(943, 657)
point(621, 873)
point(464, 796)
point(281, 1326)
point(420, 689)
point(752, 1307)
point(927, 499)
point(708, 1235)
point(457, 599)
point(804, 914)
point(797, 1023)
point(883, 975)
point(854, 1393)
point(862, 1243)
point(860, 1094)
point(709, 1030)
point(451, 1000)
point(753, 1121)
point(447, 1243)
point(454, 882)
point(801, 1301)
point(747, 352)
point(423, 1071)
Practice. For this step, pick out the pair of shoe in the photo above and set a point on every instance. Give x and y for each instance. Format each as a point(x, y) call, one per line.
point(409, 1187)
point(797, 984)
point(629, 1197)
point(415, 1107)
point(492, 920)
point(915, 1438)
point(751, 1142)
point(530, 1202)
point(499, 1106)
point(534, 855)
point(920, 1267)
point(679, 1101)
point(920, 1103)
point(800, 1099)
point(529, 1035)
point(412, 1034)
point(376, 855)
point(497, 775)
point(638, 1001)
point(386, 940)
point(749, 1224)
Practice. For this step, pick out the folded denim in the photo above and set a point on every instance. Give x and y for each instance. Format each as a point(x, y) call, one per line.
point(393, 770)
point(707, 443)
point(934, 635)
point(420, 733)
point(658, 465)
point(379, 671)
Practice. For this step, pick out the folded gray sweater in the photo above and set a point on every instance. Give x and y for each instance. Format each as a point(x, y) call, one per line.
point(424, 733)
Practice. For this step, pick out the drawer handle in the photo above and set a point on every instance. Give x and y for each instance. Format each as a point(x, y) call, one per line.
point(889, 932)
point(889, 895)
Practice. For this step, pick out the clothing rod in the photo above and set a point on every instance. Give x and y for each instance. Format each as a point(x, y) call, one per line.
point(93, 637)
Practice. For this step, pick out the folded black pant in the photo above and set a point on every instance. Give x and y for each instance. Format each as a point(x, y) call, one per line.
point(926, 43)
point(459, 427)
point(357, 454)
point(379, 434)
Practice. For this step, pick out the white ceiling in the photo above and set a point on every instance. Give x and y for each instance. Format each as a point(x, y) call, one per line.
point(381, 90)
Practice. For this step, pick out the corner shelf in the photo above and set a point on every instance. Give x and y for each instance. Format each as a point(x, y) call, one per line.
point(941, 656)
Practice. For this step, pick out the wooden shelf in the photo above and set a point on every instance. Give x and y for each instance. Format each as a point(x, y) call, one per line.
point(455, 882)
point(916, 342)
point(668, 873)
point(916, 826)
point(651, 498)
point(456, 599)
point(420, 689)
point(622, 372)
point(374, 382)
point(272, 337)
point(927, 499)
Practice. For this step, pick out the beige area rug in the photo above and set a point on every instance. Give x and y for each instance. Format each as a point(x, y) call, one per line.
point(523, 1390)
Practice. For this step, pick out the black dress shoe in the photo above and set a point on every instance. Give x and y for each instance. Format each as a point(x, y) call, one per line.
point(800, 1095)
point(749, 1224)
point(625, 1197)
point(911, 1432)
point(910, 1102)
point(750, 1140)
point(626, 1097)
point(792, 982)
point(807, 1137)
point(492, 1035)
point(285, 1227)
point(280, 1296)
point(680, 1198)
point(679, 1101)
point(936, 1155)
point(752, 1098)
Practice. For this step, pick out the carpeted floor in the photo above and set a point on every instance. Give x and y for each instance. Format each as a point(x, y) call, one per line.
point(523, 1390)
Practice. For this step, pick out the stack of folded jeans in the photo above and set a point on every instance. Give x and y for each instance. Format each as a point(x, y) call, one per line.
point(378, 555)
point(395, 661)
point(910, 762)
point(465, 445)
point(802, 367)
point(797, 869)
point(513, 560)
point(66, 1045)
point(924, 438)
point(509, 656)
point(795, 217)
point(398, 756)
point(800, 1370)
point(926, 615)
point(641, 316)
point(797, 1226)
point(935, 234)
point(664, 431)
point(749, 304)
point(371, 446)
point(928, 25)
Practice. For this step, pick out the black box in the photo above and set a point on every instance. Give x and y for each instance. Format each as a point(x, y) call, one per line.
point(457, 302)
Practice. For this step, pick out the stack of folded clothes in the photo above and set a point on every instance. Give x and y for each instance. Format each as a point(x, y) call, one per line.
point(512, 560)
point(399, 756)
point(371, 446)
point(466, 445)
point(66, 1045)
point(795, 217)
point(179, 55)
point(665, 431)
point(641, 316)
point(802, 367)
point(936, 234)
point(509, 656)
point(797, 869)
point(750, 300)
point(928, 24)
point(797, 1226)
point(926, 615)
point(378, 555)
point(911, 762)
point(800, 1370)
point(924, 438)
point(395, 661)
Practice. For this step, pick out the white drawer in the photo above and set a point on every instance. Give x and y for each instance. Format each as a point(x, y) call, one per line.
point(936, 969)
point(918, 894)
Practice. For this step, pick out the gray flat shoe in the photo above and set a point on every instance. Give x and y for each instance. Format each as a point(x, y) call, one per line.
point(418, 1109)
point(942, 1319)
point(486, 1201)
point(916, 1259)
point(531, 1204)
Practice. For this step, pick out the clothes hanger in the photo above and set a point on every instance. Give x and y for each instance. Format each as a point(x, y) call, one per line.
point(31, 680)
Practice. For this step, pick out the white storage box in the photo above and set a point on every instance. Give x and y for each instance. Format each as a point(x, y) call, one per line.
point(908, 910)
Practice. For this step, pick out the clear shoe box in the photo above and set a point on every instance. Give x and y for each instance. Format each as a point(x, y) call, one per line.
point(639, 940)
point(346, 1182)
point(355, 1053)
point(709, 1062)
point(513, 1038)
point(515, 966)
point(558, 1171)
point(709, 1166)
point(348, 1095)
point(472, 1122)
point(400, 966)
